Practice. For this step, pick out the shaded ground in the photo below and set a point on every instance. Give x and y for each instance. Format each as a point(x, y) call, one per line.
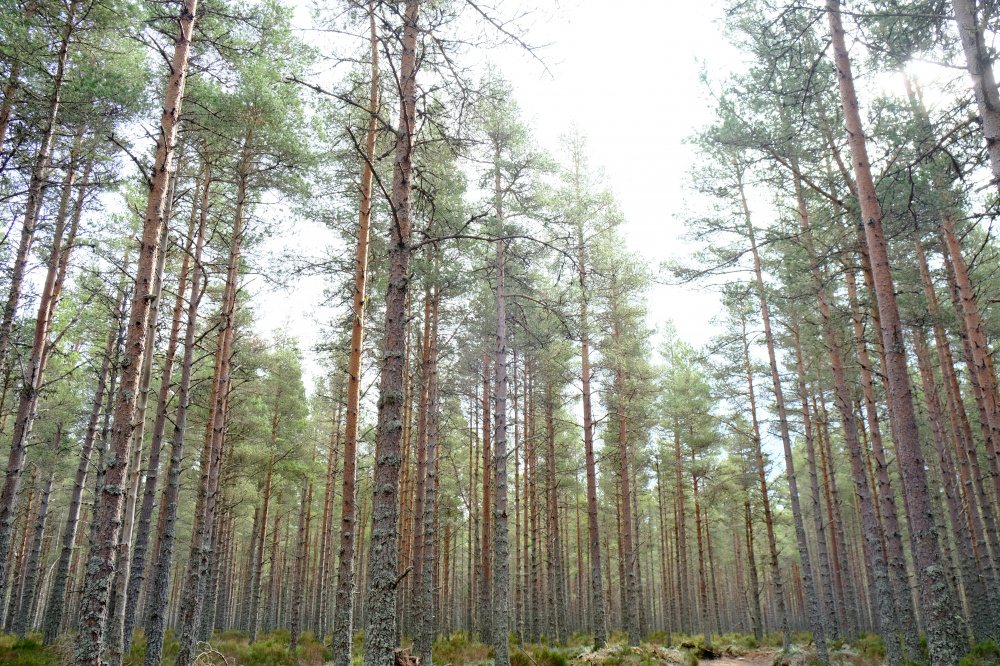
point(755, 658)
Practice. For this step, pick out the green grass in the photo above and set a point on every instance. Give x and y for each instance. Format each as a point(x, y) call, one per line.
point(25, 652)
point(986, 653)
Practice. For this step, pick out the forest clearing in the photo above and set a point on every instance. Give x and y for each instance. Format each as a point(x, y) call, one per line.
point(509, 420)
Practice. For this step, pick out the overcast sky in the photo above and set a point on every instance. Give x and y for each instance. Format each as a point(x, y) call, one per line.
point(627, 75)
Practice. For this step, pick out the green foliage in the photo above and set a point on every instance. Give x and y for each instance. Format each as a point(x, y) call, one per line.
point(986, 653)
point(458, 649)
point(870, 646)
point(744, 641)
point(25, 652)
point(518, 658)
point(547, 657)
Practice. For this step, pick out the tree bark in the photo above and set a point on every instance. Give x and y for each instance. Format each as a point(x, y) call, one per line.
point(427, 589)
point(631, 600)
point(981, 620)
point(599, 623)
point(979, 62)
point(32, 209)
point(137, 573)
point(557, 611)
point(896, 558)
point(888, 622)
point(501, 547)
point(33, 373)
point(819, 529)
point(937, 602)
point(100, 568)
point(342, 642)
point(159, 588)
point(55, 608)
point(381, 620)
point(116, 617)
point(815, 621)
point(765, 500)
point(22, 620)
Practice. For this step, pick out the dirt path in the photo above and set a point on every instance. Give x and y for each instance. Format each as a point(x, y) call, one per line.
point(757, 658)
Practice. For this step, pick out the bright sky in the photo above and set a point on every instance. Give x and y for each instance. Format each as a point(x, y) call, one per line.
point(627, 75)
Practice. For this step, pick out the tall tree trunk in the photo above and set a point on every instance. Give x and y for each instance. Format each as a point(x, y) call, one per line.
point(979, 62)
point(32, 209)
point(486, 550)
point(981, 620)
point(877, 567)
point(937, 602)
point(979, 365)
point(137, 573)
point(427, 621)
point(819, 528)
point(683, 598)
point(192, 599)
point(815, 621)
point(326, 554)
point(599, 623)
point(519, 587)
point(664, 549)
point(273, 598)
point(557, 613)
point(380, 630)
point(159, 584)
point(257, 555)
point(298, 583)
point(22, 620)
point(33, 373)
point(890, 519)
point(116, 617)
point(416, 609)
point(756, 618)
point(343, 621)
point(765, 500)
point(100, 568)
point(55, 608)
point(501, 547)
point(968, 458)
point(631, 599)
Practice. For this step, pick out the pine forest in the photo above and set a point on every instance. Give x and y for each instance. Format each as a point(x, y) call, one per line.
point(515, 421)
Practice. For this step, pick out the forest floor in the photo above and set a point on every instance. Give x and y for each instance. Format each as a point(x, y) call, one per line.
point(232, 648)
point(756, 658)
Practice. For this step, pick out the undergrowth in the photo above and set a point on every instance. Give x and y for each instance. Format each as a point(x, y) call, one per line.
point(986, 653)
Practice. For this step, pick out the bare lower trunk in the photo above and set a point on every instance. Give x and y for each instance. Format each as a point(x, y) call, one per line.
point(501, 554)
point(298, 582)
point(981, 618)
point(195, 583)
point(159, 586)
point(765, 500)
point(895, 556)
point(815, 621)
point(137, 573)
point(22, 620)
point(631, 600)
point(819, 528)
point(381, 616)
point(557, 593)
point(599, 623)
point(100, 568)
point(55, 608)
point(116, 619)
point(888, 623)
point(427, 623)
